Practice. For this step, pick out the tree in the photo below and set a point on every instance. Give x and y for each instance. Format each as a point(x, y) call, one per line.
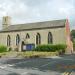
point(73, 35)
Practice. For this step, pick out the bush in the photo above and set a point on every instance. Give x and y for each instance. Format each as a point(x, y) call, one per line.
point(3, 49)
point(51, 48)
point(74, 46)
point(9, 49)
point(16, 49)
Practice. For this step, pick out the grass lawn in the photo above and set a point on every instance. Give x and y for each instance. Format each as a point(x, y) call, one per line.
point(28, 54)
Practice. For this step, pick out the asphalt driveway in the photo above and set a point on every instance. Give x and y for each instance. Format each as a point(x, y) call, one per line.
point(38, 66)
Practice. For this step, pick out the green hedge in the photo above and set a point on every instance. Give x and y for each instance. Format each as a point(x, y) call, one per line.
point(51, 48)
point(74, 46)
point(3, 48)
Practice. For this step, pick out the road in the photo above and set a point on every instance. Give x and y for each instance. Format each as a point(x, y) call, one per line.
point(57, 65)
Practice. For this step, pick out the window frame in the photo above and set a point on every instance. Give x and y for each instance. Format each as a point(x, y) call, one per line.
point(38, 39)
point(17, 39)
point(27, 36)
point(50, 38)
point(8, 40)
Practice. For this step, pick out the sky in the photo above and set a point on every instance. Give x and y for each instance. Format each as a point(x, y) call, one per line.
point(27, 11)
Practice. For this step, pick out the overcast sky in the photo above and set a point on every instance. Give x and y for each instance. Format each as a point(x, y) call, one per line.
point(24, 11)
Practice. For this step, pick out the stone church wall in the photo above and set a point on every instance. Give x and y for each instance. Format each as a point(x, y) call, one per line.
point(59, 36)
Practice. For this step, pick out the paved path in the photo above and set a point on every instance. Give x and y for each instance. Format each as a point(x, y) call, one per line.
point(63, 65)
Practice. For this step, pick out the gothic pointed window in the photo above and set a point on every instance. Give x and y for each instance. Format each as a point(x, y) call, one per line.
point(27, 36)
point(17, 39)
point(50, 38)
point(38, 39)
point(8, 40)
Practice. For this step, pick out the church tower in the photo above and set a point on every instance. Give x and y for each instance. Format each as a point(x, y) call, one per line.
point(6, 22)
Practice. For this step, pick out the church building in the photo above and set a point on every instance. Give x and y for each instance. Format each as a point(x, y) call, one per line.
point(29, 35)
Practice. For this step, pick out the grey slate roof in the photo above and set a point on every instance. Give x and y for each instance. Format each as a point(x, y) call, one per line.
point(37, 25)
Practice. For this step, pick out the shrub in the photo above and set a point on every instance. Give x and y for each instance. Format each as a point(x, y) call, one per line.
point(3, 48)
point(74, 46)
point(16, 49)
point(9, 49)
point(51, 48)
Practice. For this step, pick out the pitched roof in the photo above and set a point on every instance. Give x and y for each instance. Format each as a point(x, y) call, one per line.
point(37, 25)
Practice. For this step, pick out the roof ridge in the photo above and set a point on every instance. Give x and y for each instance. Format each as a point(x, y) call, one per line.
point(39, 22)
point(37, 25)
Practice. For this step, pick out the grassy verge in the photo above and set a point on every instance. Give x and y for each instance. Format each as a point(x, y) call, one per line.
point(8, 54)
point(28, 54)
point(40, 54)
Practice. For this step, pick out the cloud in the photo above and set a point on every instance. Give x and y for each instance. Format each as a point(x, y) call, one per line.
point(23, 11)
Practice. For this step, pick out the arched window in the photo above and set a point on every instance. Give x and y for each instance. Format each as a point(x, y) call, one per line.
point(8, 40)
point(38, 39)
point(17, 39)
point(27, 36)
point(50, 38)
